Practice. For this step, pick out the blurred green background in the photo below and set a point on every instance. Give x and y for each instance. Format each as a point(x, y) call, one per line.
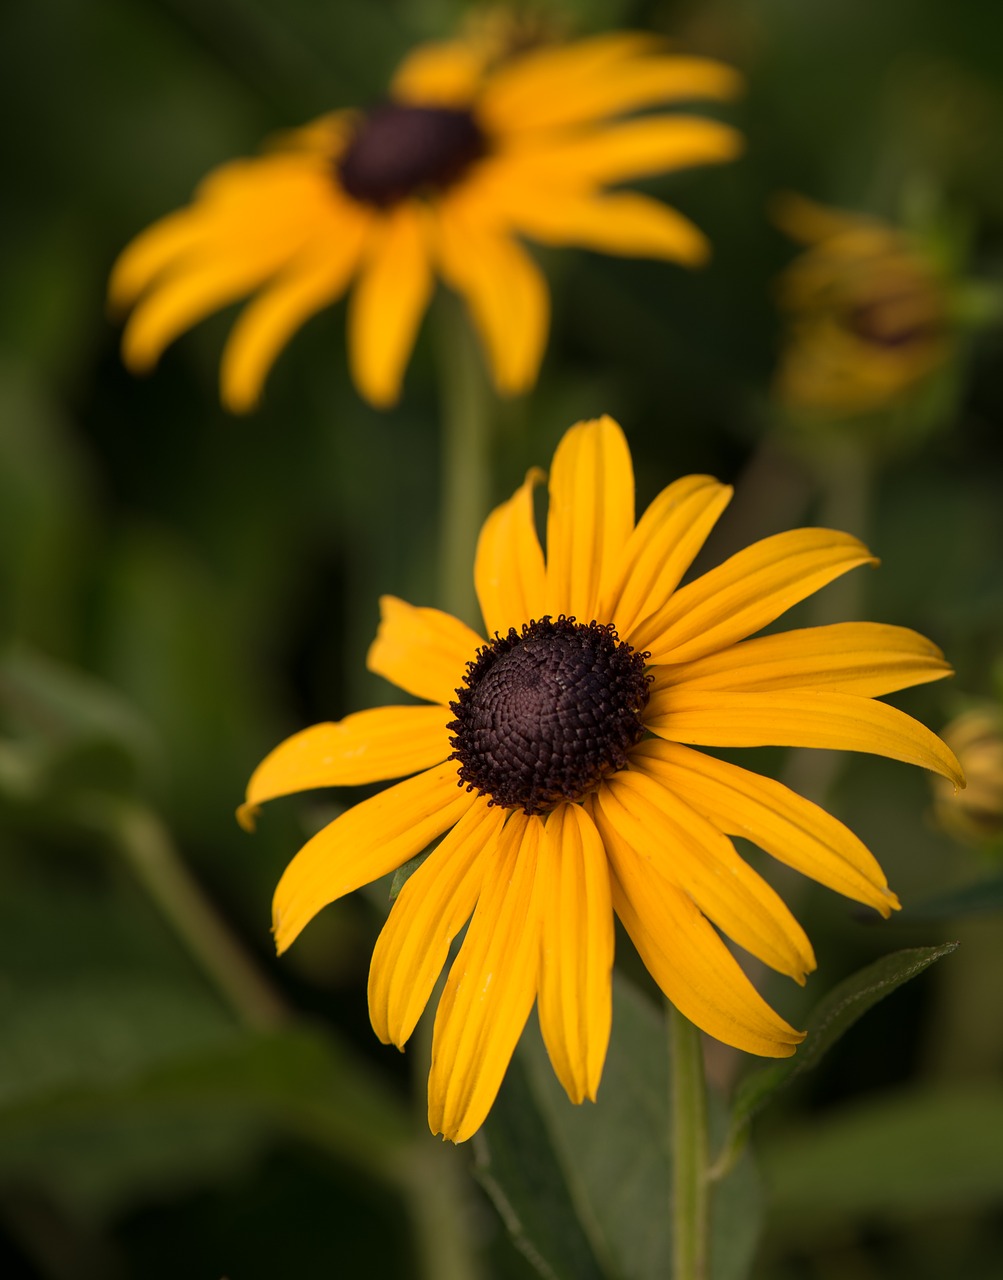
point(180, 589)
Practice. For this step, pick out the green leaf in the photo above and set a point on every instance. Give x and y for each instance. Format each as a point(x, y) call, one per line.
point(909, 1153)
point(585, 1191)
point(832, 1018)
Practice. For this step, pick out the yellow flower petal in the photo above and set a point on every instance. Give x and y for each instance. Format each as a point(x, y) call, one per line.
point(490, 989)
point(509, 570)
point(368, 841)
point(266, 325)
point(618, 153)
point(575, 1000)
point(624, 223)
point(431, 909)
point(661, 549)
point(590, 517)
point(634, 809)
point(506, 292)
point(443, 73)
point(788, 827)
point(864, 658)
point(143, 259)
point(636, 82)
point(424, 651)
point(388, 302)
point(839, 721)
point(370, 746)
point(751, 589)
point(690, 963)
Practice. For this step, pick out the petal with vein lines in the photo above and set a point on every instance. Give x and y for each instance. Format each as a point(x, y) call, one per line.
point(368, 841)
point(490, 989)
point(576, 936)
point(424, 651)
point(509, 570)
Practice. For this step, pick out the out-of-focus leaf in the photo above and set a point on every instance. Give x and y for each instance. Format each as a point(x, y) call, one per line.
point(832, 1018)
point(907, 1153)
point(586, 1190)
point(198, 1118)
point(972, 899)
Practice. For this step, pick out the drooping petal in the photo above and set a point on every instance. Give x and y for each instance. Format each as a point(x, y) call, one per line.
point(864, 658)
point(388, 302)
point(490, 989)
point(431, 909)
point(368, 841)
point(590, 517)
point(787, 826)
point(634, 810)
point(748, 591)
point(504, 288)
point(576, 936)
point(619, 153)
point(661, 549)
point(168, 240)
point(266, 324)
point(838, 721)
point(624, 223)
point(634, 83)
point(509, 570)
point(424, 651)
point(369, 746)
point(688, 960)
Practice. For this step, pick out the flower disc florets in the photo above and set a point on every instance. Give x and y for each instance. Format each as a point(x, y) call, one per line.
point(398, 150)
point(546, 713)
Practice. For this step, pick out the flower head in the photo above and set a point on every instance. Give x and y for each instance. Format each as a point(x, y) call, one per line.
point(976, 815)
point(868, 312)
point(554, 762)
point(470, 152)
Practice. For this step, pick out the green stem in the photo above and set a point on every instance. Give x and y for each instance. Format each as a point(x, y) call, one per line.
point(159, 867)
point(690, 1184)
point(466, 447)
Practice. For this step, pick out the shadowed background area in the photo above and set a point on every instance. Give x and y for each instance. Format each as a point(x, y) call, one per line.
point(180, 588)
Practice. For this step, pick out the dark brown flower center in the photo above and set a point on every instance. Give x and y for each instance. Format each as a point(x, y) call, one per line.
point(398, 150)
point(544, 715)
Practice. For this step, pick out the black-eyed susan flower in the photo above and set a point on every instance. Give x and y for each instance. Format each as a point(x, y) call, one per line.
point(553, 760)
point(470, 153)
point(868, 312)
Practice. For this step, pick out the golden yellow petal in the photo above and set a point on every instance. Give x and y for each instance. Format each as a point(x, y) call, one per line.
point(590, 517)
point(637, 81)
point(424, 651)
point(509, 570)
point(618, 153)
point(624, 223)
point(837, 721)
point(864, 658)
point(491, 987)
point(785, 825)
point(688, 960)
point(368, 841)
point(748, 591)
point(443, 73)
point(431, 909)
point(143, 259)
point(576, 934)
point(661, 549)
point(388, 302)
point(266, 325)
point(505, 291)
point(369, 746)
point(634, 809)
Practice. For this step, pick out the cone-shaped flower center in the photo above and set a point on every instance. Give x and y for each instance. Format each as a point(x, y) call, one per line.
point(398, 150)
point(544, 715)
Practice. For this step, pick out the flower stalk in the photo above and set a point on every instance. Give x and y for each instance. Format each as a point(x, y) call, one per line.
point(689, 1142)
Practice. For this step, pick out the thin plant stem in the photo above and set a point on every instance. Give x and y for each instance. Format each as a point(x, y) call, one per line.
point(690, 1215)
point(158, 865)
point(467, 404)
